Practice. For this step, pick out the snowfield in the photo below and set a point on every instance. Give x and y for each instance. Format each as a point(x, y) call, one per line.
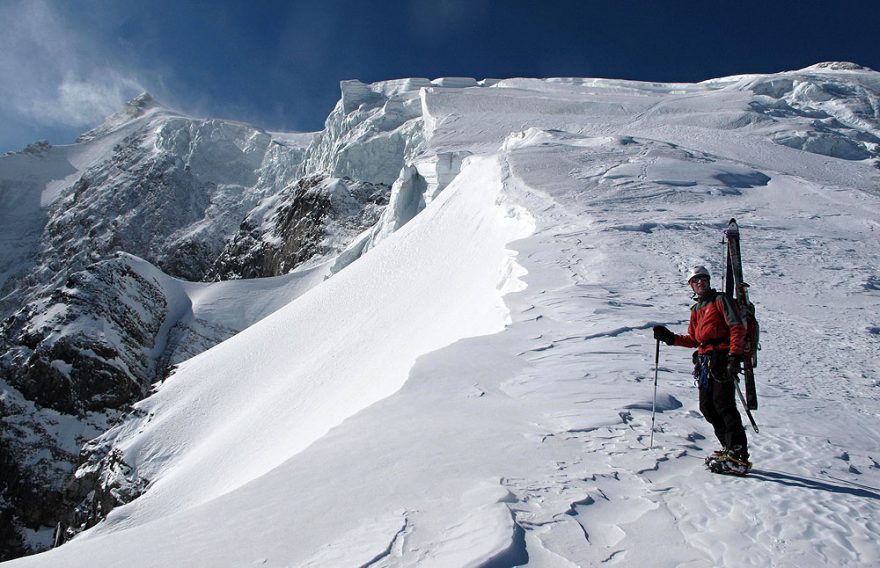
point(476, 390)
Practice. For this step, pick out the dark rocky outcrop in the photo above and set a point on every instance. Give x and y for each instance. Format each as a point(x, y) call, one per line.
point(87, 346)
point(69, 362)
point(310, 220)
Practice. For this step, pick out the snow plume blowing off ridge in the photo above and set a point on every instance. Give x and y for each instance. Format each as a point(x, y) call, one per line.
point(229, 416)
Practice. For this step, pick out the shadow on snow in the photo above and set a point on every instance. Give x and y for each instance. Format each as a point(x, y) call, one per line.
point(788, 479)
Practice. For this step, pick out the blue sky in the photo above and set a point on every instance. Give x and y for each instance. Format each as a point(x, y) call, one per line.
point(66, 64)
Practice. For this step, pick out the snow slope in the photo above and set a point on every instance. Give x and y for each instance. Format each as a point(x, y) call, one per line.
point(477, 389)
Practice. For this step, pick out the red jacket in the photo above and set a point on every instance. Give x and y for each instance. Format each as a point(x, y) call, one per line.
point(715, 325)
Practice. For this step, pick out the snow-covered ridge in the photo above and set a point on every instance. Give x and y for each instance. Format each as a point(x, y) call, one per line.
point(595, 193)
point(837, 66)
point(139, 107)
point(299, 374)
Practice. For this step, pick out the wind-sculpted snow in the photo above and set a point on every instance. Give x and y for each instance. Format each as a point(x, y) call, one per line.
point(172, 190)
point(477, 388)
point(322, 372)
point(838, 113)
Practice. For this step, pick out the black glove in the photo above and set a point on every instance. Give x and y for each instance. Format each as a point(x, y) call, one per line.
point(733, 366)
point(662, 333)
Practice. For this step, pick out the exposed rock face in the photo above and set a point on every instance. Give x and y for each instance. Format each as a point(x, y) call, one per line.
point(170, 190)
point(39, 449)
point(88, 346)
point(308, 221)
point(168, 207)
point(69, 362)
point(13, 485)
point(102, 483)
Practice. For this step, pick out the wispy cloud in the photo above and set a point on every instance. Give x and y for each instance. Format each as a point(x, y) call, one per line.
point(53, 74)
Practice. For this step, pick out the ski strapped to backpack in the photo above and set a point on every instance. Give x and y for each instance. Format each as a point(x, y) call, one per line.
point(738, 290)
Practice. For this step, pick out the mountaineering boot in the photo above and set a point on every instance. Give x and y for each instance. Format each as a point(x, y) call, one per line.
point(714, 456)
point(730, 462)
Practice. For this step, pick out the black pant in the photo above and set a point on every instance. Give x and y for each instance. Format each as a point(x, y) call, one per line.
point(718, 406)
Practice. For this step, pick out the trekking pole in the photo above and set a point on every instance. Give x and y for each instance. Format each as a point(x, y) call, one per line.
point(654, 404)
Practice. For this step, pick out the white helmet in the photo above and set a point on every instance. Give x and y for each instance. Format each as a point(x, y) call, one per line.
point(698, 271)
